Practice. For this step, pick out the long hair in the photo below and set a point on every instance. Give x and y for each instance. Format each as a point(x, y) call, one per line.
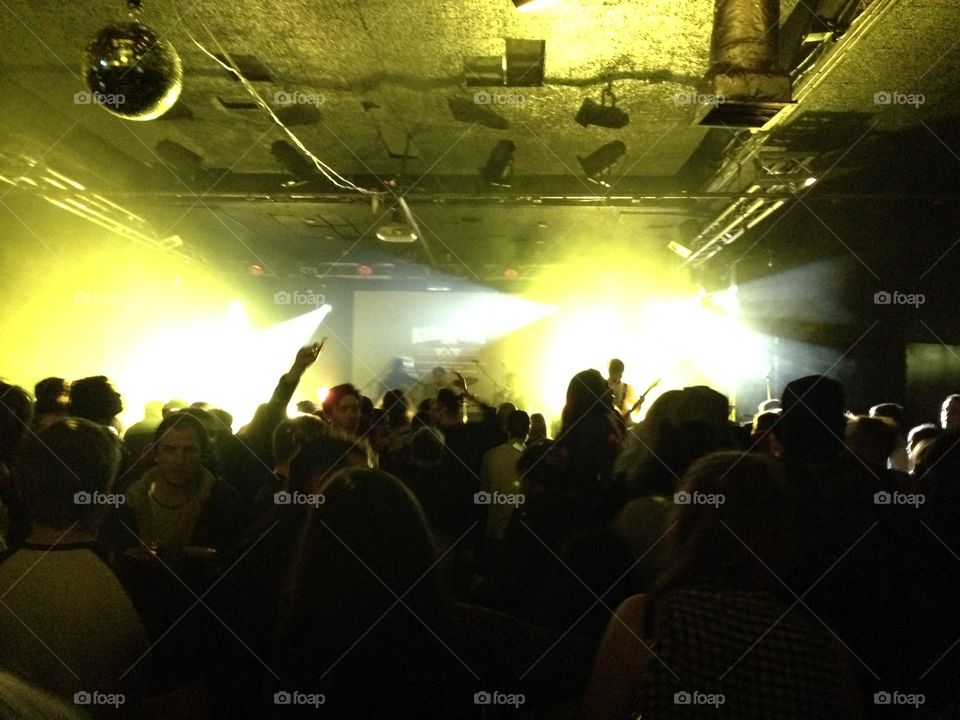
point(366, 545)
point(60, 467)
point(731, 524)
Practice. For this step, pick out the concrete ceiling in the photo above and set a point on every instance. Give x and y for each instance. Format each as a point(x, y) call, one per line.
point(388, 78)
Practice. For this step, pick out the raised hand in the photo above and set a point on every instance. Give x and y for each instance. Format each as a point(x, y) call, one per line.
point(307, 355)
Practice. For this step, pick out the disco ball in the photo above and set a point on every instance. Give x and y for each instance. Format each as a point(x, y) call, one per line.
point(131, 72)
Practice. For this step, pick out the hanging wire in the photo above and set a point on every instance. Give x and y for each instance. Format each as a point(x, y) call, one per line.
point(332, 175)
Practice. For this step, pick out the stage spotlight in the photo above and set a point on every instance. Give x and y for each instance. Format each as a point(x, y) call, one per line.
point(608, 116)
point(294, 162)
point(131, 72)
point(499, 167)
point(599, 161)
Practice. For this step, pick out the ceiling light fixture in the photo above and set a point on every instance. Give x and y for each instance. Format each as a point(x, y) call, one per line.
point(499, 168)
point(603, 114)
point(294, 162)
point(599, 162)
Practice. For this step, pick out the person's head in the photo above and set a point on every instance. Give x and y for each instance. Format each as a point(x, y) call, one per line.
point(224, 421)
point(153, 410)
point(94, 398)
point(587, 393)
point(16, 409)
point(872, 439)
point(438, 375)
point(764, 422)
point(938, 463)
point(61, 467)
point(367, 544)
point(53, 397)
point(180, 444)
point(503, 412)
point(396, 406)
point(888, 410)
point(172, 406)
point(319, 457)
point(700, 403)
point(919, 433)
point(762, 436)
point(427, 445)
point(292, 433)
point(950, 413)
point(446, 408)
point(919, 440)
point(538, 428)
point(813, 423)
point(518, 425)
point(730, 509)
point(378, 434)
point(616, 370)
point(342, 407)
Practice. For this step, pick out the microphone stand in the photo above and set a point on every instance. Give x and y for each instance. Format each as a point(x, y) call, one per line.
point(497, 385)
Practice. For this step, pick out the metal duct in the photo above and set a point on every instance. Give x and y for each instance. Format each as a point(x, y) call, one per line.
point(745, 76)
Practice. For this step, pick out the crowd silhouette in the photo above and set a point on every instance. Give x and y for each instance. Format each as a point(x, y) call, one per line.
point(371, 559)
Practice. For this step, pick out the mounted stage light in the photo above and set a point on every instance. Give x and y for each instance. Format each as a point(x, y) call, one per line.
point(499, 167)
point(294, 163)
point(131, 72)
point(601, 160)
point(603, 114)
point(608, 116)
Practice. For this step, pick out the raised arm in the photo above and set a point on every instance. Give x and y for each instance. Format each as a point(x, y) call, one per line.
point(260, 430)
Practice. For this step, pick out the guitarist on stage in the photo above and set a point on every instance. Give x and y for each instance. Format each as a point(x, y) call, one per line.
point(624, 396)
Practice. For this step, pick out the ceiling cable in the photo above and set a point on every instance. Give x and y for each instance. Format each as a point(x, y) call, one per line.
point(332, 175)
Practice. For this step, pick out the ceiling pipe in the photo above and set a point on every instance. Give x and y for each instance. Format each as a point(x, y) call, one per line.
point(745, 78)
